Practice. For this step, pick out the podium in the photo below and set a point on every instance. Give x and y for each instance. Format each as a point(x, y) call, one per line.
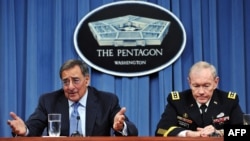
point(112, 139)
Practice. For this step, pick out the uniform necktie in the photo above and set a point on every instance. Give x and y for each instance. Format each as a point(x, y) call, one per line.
point(203, 111)
point(203, 108)
point(75, 121)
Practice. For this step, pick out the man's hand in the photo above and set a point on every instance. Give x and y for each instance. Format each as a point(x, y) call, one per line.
point(206, 131)
point(119, 120)
point(190, 133)
point(17, 124)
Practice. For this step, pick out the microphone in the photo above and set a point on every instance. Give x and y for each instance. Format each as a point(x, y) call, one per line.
point(78, 118)
point(77, 133)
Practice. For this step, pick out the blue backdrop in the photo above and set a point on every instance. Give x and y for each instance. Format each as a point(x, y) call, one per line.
point(36, 37)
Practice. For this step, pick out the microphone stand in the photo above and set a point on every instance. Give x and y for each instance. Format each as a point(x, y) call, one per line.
point(77, 133)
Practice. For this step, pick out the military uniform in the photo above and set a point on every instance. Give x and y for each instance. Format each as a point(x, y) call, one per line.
point(182, 112)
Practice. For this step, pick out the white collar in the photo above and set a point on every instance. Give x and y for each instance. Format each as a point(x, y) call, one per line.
point(199, 105)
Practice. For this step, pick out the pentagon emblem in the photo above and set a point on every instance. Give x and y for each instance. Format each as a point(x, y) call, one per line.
point(129, 30)
point(123, 39)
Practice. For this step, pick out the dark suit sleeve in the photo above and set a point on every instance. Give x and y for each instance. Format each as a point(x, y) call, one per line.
point(131, 128)
point(37, 121)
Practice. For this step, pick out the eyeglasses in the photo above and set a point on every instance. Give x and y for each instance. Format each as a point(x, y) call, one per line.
point(75, 81)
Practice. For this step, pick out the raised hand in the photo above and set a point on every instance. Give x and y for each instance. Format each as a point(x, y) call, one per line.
point(17, 125)
point(119, 120)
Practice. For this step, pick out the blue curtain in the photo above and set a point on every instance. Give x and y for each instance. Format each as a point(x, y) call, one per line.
point(36, 37)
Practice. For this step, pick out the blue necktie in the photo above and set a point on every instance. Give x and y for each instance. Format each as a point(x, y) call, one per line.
point(75, 121)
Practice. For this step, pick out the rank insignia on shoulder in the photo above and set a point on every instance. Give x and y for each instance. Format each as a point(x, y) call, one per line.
point(231, 95)
point(175, 95)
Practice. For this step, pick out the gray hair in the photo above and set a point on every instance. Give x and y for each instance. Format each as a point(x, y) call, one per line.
point(203, 65)
point(72, 63)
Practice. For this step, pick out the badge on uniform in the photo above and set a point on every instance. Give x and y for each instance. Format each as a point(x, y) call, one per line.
point(231, 95)
point(175, 95)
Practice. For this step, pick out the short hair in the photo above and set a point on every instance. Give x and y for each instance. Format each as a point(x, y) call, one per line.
point(72, 63)
point(203, 65)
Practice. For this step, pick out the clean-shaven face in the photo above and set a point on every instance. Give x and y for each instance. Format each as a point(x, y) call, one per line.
point(74, 83)
point(202, 84)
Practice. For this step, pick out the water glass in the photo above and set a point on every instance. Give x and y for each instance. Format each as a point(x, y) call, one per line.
point(246, 119)
point(54, 124)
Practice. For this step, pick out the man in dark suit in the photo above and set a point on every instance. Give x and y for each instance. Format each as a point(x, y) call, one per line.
point(182, 115)
point(100, 112)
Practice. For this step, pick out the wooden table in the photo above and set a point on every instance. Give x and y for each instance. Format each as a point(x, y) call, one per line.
point(111, 139)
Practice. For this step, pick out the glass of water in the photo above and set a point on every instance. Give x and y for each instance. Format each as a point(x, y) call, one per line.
point(54, 124)
point(246, 119)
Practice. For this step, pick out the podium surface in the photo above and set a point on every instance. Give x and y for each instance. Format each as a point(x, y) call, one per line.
point(111, 139)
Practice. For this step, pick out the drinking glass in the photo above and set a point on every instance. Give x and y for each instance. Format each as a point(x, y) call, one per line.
point(246, 119)
point(54, 124)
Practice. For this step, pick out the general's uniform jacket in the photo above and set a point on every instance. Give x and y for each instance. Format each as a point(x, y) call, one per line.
point(182, 112)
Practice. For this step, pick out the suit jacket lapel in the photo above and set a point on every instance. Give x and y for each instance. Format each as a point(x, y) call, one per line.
point(63, 108)
point(91, 111)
